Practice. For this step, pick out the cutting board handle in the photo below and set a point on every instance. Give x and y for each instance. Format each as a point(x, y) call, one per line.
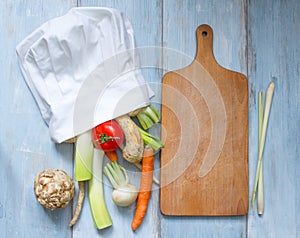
point(204, 53)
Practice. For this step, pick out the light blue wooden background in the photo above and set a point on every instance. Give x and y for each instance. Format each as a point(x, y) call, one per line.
point(257, 38)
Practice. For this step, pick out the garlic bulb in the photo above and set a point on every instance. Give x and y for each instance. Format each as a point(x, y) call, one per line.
point(53, 188)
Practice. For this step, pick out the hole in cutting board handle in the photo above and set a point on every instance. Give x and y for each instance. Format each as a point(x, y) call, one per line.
point(204, 40)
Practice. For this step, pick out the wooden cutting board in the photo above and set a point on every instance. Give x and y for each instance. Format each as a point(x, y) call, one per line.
point(204, 163)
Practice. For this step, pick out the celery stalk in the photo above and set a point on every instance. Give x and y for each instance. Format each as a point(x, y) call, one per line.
point(151, 140)
point(155, 111)
point(98, 207)
point(148, 116)
point(84, 156)
point(145, 121)
point(152, 113)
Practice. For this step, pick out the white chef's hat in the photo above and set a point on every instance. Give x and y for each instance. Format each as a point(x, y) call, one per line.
point(82, 70)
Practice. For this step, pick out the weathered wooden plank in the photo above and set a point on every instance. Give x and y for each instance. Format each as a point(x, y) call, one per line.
point(145, 17)
point(227, 19)
point(274, 56)
point(25, 145)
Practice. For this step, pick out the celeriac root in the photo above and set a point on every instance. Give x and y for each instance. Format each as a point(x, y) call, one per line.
point(133, 150)
point(80, 199)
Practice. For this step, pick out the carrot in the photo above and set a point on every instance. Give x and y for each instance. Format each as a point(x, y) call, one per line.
point(145, 188)
point(112, 155)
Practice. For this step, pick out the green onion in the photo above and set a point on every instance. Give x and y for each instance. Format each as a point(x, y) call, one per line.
point(98, 207)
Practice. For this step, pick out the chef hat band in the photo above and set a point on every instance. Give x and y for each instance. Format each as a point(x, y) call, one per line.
point(82, 70)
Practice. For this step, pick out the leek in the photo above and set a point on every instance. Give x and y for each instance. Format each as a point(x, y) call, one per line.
point(98, 207)
point(84, 150)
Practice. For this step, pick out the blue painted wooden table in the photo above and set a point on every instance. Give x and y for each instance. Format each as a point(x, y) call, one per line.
point(257, 38)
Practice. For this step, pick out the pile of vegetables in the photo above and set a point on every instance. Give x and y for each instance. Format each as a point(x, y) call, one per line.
point(128, 134)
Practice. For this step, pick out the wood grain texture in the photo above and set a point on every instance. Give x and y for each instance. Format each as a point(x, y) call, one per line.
point(274, 56)
point(204, 164)
point(25, 145)
point(228, 19)
point(256, 38)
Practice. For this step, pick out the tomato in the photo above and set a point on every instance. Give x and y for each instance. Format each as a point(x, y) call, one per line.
point(108, 136)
